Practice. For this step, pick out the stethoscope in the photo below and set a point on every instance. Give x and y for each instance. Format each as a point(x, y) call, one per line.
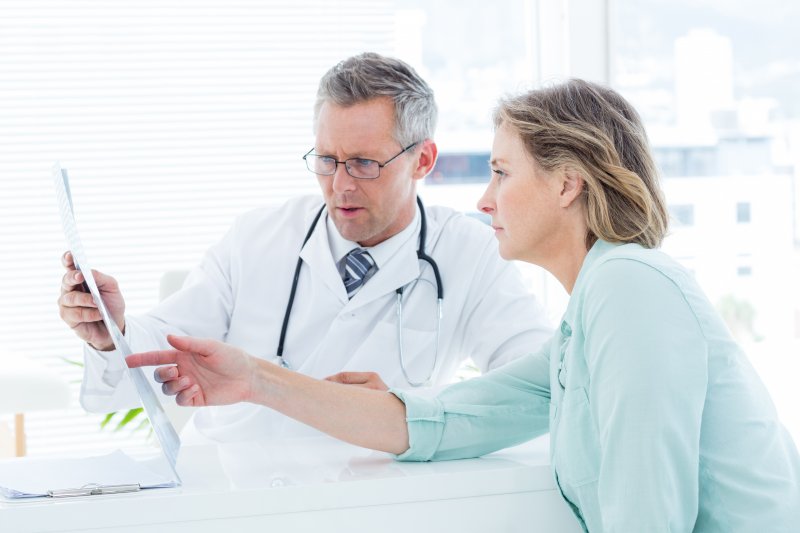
point(422, 256)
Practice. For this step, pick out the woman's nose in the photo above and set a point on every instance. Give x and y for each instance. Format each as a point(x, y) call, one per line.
point(486, 201)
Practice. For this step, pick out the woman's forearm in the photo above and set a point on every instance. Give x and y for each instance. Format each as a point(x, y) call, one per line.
point(369, 418)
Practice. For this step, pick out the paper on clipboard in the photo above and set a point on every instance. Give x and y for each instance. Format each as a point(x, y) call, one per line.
point(162, 427)
point(38, 478)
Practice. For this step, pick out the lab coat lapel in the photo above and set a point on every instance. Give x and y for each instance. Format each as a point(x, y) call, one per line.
point(317, 255)
point(402, 268)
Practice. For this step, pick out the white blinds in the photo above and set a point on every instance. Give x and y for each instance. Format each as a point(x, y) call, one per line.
point(172, 117)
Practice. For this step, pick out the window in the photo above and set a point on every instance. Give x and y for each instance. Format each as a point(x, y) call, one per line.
point(454, 168)
point(743, 212)
point(724, 130)
point(683, 214)
point(678, 161)
point(172, 118)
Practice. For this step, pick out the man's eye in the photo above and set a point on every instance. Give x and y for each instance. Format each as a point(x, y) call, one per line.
point(363, 163)
point(326, 160)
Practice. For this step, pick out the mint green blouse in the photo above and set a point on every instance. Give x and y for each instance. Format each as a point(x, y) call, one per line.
point(657, 420)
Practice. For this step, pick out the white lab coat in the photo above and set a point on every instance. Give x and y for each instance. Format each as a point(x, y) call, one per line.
point(239, 293)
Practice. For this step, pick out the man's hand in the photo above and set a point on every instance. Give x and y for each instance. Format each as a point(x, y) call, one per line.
point(77, 308)
point(201, 371)
point(367, 380)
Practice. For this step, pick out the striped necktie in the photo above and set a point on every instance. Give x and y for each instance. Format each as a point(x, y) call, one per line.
point(357, 265)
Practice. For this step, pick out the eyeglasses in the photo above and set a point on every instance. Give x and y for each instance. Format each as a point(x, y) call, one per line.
point(358, 167)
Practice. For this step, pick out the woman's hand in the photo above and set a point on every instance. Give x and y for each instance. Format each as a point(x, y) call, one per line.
point(201, 371)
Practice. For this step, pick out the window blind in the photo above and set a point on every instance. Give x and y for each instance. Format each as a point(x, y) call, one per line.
point(172, 118)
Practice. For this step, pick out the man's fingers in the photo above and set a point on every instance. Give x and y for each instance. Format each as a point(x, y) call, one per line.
point(351, 378)
point(71, 280)
point(204, 347)
point(77, 299)
point(158, 357)
point(369, 380)
point(358, 378)
point(336, 378)
point(67, 260)
point(75, 316)
point(75, 278)
point(105, 282)
point(76, 308)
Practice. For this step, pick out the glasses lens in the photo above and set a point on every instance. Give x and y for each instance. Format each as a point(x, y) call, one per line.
point(321, 164)
point(365, 169)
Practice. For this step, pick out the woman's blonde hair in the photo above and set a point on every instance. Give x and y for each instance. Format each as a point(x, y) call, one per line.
point(595, 131)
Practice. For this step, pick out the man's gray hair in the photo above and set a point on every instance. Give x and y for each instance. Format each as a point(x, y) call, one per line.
point(366, 76)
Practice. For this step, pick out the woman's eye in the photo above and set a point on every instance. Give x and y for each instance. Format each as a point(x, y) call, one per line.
point(499, 173)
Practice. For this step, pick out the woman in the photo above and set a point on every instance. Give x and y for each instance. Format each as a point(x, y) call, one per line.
point(657, 421)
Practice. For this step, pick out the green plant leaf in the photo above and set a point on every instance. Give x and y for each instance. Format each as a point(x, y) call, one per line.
point(72, 362)
point(130, 415)
point(142, 424)
point(107, 419)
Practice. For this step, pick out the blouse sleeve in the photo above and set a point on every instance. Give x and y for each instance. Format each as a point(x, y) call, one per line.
point(505, 407)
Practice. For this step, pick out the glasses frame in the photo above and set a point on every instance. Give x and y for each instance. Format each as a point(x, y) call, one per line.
point(346, 162)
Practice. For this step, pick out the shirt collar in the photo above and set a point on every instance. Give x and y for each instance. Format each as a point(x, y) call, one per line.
point(382, 252)
point(598, 250)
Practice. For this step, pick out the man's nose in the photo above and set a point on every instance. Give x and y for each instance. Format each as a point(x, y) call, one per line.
point(342, 180)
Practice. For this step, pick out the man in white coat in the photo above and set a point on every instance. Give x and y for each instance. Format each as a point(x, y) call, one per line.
point(338, 288)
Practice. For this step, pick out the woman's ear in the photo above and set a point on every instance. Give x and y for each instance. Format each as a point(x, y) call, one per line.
point(572, 185)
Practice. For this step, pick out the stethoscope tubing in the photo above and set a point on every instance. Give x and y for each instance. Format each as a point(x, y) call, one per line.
point(421, 255)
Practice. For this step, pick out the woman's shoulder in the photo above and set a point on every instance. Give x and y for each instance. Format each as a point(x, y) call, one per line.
point(629, 279)
point(635, 260)
point(635, 270)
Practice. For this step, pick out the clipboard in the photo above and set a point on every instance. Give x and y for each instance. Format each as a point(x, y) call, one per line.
point(114, 473)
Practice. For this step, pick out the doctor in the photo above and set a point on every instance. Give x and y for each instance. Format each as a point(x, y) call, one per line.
point(368, 287)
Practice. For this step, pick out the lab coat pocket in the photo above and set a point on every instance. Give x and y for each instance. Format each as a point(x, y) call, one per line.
point(577, 450)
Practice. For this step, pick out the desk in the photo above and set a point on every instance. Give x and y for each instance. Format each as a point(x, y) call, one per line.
point(319, 484)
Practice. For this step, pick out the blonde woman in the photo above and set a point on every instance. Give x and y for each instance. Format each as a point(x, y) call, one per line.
point(657, 420)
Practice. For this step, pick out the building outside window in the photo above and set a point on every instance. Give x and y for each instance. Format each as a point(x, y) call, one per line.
point(743, 212)
point(708, 81)
point(682, 214)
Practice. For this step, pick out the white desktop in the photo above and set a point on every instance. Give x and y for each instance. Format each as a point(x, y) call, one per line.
point(319, 484)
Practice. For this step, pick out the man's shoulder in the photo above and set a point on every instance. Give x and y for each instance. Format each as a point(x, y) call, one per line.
point(294, 213)
point(455, 224)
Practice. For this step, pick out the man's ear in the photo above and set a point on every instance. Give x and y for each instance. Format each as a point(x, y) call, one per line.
point(572, 184)
point(426, 159)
